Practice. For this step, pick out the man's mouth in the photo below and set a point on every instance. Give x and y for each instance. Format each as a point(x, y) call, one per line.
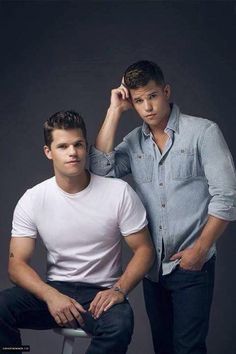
point(152, 115)
point(73, 162)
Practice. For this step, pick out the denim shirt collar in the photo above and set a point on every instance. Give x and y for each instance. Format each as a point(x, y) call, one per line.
point(173, 121)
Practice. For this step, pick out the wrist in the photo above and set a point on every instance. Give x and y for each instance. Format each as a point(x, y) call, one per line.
point(115, 111)
point(120, 290)
point(201, 248)
point(49, 294)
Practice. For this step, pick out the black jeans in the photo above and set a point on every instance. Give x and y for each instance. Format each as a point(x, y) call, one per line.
point(20, 309)
point(178, 307)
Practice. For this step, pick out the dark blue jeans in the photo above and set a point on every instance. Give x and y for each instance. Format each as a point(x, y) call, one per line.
point(20, 309)
point(178, 307)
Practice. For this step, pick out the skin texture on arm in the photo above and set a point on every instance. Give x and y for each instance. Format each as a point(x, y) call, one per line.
point(141, 245)
point(63, 309)
point(194, 258)
point(119, 103)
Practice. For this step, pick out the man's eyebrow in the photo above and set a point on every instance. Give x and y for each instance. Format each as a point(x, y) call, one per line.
point(79, 141)
point(62, 143)
point(148, 94)
point(75, 142)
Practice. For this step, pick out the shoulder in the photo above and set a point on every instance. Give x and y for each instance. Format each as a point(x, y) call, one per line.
point(38, 188)
point(134, 134)
point(189, 120)
point(111, 183)
point(194, 124)
point(35, 193)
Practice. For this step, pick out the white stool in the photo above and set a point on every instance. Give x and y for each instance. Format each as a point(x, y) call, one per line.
point(69, 338)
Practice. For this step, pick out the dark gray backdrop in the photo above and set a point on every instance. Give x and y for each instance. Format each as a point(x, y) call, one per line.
point(62, 55)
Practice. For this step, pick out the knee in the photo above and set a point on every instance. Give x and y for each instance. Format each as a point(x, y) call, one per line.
point(7, 305)
point(122, 324)
point(4, 303)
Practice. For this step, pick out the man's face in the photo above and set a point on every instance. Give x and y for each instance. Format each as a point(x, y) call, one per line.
point(152, 103)
point(68, 152)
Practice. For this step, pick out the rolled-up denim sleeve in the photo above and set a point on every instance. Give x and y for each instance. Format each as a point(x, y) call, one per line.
point(113, 164)
point(220, 173)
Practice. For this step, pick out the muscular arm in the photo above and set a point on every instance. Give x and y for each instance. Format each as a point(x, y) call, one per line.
point(119, 103)
point(143, 257)
point(63, 308)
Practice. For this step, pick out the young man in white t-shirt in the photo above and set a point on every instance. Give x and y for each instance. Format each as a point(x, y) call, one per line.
point(80, 218)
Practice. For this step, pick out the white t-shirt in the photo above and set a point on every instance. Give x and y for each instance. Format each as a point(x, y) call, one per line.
point(81, 231)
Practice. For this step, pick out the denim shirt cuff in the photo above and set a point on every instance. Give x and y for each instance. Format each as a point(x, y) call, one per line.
point(99, 159)
point(228, 213)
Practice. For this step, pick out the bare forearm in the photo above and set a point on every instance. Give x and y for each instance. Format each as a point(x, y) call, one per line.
point(136, 269)
point(210, 233)
point(25, 276)
point(193, 258)
point(106, 136)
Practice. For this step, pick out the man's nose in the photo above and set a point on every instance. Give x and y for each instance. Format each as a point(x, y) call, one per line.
point(72, 150)
point(147, 106)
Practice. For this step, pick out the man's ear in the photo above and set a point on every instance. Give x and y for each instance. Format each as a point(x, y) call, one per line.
point(167, 91)
point(47, 152)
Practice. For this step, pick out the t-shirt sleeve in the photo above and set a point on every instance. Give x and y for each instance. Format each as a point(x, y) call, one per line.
point(132, 215)
point(23, 222)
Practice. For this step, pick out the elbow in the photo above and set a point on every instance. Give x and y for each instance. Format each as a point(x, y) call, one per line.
point(11, 275)
point(152, 257)
point(12, 271)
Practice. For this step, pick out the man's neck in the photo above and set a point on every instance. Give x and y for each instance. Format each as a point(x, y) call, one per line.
point(73, 184)
point(160, 128)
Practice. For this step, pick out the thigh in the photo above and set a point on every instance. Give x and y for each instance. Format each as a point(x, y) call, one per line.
point(112, 331)
point(192, 293)
point(159, 309)
point(119, 316)
point(25, 310)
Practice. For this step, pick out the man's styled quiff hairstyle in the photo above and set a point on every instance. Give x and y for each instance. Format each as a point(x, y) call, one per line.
point(140, 73)
point(63, 120)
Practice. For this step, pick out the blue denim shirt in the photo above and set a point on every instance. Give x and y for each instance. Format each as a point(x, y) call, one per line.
point(194, 176)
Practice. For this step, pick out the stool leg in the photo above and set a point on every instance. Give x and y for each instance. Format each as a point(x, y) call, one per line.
point(68, 344)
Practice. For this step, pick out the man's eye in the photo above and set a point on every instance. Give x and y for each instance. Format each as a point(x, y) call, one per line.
point(138, 101)
point(153, 95)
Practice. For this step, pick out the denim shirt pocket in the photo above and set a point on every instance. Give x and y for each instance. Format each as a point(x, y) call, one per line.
point(183, 163)
point(142, 167)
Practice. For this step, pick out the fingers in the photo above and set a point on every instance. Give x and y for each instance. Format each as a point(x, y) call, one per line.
point(103, 301)
point(176, 256)
point(93, 304)
point(121, 92)
point(77, 316)
point(108, 303)
point(78, 306)
point(69, 315)
point(61, 319)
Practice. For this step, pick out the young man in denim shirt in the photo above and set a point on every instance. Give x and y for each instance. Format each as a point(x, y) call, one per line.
point(184, 174)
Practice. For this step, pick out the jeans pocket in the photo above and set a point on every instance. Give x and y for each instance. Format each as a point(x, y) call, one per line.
point(191, 271)
point(142, 167)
